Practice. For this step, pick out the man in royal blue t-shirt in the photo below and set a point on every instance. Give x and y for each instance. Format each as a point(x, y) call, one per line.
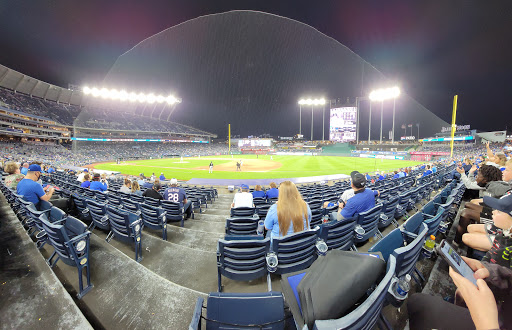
point(31, 190)
point(363, 200)
point(178, 195)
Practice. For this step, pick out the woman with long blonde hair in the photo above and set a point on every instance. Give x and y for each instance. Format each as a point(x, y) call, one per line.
point(291, 214)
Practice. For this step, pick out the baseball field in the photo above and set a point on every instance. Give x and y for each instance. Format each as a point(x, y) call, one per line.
point(253, 167)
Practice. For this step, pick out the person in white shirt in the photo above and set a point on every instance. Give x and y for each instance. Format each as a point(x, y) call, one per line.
point(81, 176)
point(242, 198)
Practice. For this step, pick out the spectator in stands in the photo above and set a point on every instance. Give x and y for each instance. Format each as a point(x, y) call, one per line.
point(396, 175)
point(428, 171)
point(178, 195)
point(363, 199)
point(488, 181)
point(136, 188)
point(126, 187)
point(51, 169)
point(482, 312)
point(258, 192)
point(31, 190)
point(290, 214)
point(243, 198)
point(15, 176)
point(162, 176)
point(273, 192)
point(96, 184)
point(24, 168)
point(495, 235)
point(86, 183)
point(498, 160)
point(104, 179)
point(141, 179)
point(154, 191)
point(80, 177)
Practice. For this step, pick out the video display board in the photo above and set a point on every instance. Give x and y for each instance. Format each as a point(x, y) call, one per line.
point(343, 124)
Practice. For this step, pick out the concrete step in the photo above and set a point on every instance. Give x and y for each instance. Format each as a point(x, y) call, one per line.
point(31, 295)
point(205, 241)
point(127, 295)
point(203, 226)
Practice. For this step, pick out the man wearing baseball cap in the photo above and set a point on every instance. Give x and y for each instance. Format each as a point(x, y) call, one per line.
point(31, 190)
point(178, 195)
point(363, 199)
point(243, 198)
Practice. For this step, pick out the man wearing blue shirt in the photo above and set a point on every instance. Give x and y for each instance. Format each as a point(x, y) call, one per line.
point(363, 200)
point(96, 184)
point(162, 176)
point(428, 171)
point(178, 195)
point(31, 190)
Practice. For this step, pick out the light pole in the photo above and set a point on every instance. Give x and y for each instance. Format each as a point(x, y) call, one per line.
point(370, 122)
point(323, 123)
point(311, 102)
point(381, 117)
point(300, 119)
point(418, 125)
point(382, 95)
point(393, 129)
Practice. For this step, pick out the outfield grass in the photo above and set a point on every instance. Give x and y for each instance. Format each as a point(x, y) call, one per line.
point(292, 166)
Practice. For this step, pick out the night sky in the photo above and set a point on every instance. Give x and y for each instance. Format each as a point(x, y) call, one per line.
point(435, 49)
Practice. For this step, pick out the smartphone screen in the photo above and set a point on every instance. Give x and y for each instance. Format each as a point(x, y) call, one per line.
point(456, 262)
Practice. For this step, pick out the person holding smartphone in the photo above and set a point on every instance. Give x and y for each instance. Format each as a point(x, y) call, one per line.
point(489, 303)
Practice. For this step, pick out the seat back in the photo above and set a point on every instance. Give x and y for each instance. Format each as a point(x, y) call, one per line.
point(130, 205)
point(388, 244)
point(245, 310)
point(97, 211)
point(152, 201)
point(174, 210)
point(242, 212)
point(296, 251)
point(407, 256)
point(113, 200)
point(241, 226)
point(152, 216)
point(338, 234)
point(242, 260)
point(369, 220)
point(434, 222)
point(366, 315)
point(120, 223)
point(413, 224)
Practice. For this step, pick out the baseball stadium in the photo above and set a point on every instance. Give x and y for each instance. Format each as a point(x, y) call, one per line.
point(159, 197)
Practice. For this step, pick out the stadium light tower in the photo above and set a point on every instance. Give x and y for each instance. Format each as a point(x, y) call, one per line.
point(382, 95)
point(311, 102)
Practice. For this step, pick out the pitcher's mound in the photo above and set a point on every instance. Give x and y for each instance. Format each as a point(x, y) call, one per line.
point(249, 165)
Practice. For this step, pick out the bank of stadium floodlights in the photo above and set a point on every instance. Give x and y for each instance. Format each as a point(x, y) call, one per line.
point(124, 96)
point(312, 103)
point(382, 95)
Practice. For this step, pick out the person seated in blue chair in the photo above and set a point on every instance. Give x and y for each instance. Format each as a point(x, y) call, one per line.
point(273, 192)
point(258, 192)
point(31, 190)
point(96, 184)
point(291, 214)
point(363, 199)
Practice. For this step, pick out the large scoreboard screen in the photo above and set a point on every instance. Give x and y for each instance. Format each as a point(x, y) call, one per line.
point(343, 124)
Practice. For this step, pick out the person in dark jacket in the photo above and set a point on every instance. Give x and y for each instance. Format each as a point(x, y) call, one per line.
point(154, 191)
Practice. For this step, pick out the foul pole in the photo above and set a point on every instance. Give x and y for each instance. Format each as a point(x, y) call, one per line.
point(454, 127)
point(229, 138)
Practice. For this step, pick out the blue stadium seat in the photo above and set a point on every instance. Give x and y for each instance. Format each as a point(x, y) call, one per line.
point(240, 310)
point(130, 205)
point(242, 260)
point(152, 201)
point(70, 239)
point(174, 212)
point(242, 212)
point(154, 218)
point(338, 234)
point(368, 313)
point(296, 251)
point(127, 227)
point(97, 212)
point(403, 203)
point(388, 210)
point(242, 226)
point(369, 220)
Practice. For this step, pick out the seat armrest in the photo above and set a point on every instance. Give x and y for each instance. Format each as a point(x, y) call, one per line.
point(195, 323)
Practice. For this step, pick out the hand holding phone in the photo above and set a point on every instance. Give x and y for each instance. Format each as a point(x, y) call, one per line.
point(456, 262)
